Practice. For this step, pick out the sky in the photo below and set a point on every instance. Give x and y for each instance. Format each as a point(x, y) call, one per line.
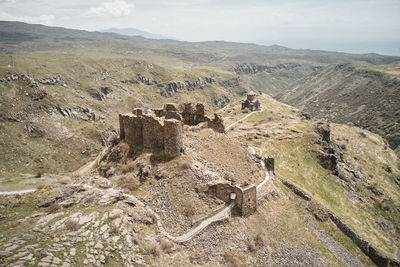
point(356, 26)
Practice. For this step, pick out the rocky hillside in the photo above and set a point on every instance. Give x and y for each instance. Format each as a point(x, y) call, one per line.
point(61, 90)
point(83, 199)
point(364, 95)
point(125, 210)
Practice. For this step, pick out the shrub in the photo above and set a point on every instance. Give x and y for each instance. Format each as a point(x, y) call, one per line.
point(251, 246)
point(232, 260)
point(154, 249)
point(166, 245)
point(39, 173)
point(258, 240)
point(40, 187)
point(129, 182)
point(128, 167)
point(54, 208)
point(188, 209)
point(185, 165)
point(72, 225)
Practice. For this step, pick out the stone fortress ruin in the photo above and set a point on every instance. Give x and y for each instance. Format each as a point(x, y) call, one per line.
point(163, 128)
point(251, 103)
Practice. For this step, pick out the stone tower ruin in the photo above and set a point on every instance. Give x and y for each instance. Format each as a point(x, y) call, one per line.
point(163, 128)
point(251, 103)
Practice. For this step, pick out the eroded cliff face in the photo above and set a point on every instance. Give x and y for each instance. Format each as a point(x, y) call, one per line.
point(186, 86)
point(361, 94)
point(252, 68)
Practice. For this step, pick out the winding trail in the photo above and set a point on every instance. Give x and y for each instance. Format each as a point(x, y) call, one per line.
point(18, 192)
point(242, 119)
point(267, 176)
point(223, 214)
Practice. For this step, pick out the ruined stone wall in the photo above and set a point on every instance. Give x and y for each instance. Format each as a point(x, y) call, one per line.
point(249, 200)
point(150, 132)
point(246, 197)
point(270, 165)
point(132, 129)
point(163, 128)
point(173, 138)
point(217, 124)
point(153, 132)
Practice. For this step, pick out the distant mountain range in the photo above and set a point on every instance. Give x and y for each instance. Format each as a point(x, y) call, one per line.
point(134, 32)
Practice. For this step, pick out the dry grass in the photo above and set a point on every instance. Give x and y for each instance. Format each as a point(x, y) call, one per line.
point(250, 245)
point(188, 209)
point(54, 208)
point(258, 240)
point(232, 260)
point(129, 182)
point(72, 224)
point(154, 249)
point(166, 245)
point(185, 165)
point(40, 187)
point(65, 181)
point(128, 167)
point(39, 173)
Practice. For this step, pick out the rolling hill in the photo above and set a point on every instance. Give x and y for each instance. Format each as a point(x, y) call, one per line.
point(366, 95)
point(333, 199)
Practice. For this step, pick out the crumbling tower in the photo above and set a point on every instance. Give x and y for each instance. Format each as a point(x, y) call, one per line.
point(251, 103)
point(163, 128)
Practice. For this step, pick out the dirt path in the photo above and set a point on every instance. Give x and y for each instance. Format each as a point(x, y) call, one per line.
point(242, 119)
point(18, 192)
point(334, 247)
point(223, 214)
point(267, 176)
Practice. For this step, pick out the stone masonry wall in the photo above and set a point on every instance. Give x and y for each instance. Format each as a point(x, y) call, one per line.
point(249, 200)
point(246, 197)
point(172, 138)
point(163, 128)
point(150, 132)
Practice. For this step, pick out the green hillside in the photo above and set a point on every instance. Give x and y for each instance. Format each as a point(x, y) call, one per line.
point(366, 95)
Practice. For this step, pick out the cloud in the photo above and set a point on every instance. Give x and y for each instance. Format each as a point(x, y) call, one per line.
point(42, 19)
point(117, 8)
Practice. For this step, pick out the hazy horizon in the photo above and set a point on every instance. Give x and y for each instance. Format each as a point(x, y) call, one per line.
point(354, 26)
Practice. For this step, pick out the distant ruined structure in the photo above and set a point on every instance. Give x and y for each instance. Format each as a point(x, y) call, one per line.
point(250, 103)
point(244, 195)
point(163, 128)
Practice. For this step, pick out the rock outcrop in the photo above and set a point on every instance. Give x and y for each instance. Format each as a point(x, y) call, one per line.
point(222, 101)
point(185, 86)
point(32, 82)
point(251, 68)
